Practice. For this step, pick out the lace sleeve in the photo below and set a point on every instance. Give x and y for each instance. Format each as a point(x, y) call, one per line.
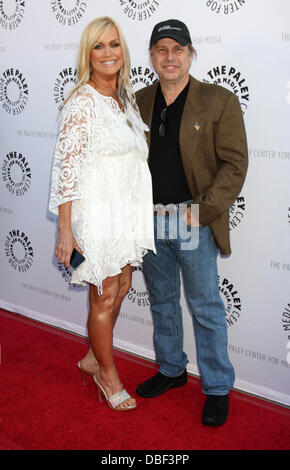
point(70, 151)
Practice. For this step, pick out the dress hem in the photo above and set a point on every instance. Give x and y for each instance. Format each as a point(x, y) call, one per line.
point(99, 284)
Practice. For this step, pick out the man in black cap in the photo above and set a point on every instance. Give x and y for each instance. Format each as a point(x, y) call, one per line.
point(198, 153)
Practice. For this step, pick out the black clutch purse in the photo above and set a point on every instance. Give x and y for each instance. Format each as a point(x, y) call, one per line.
point(76, 258)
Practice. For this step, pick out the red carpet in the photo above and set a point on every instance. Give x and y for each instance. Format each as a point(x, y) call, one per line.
point(44, 405)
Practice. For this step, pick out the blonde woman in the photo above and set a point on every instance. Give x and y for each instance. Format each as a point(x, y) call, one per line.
point(101, 191)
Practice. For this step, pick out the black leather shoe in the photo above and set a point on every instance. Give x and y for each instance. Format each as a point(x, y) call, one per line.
point(215, 411)
point(159, 384)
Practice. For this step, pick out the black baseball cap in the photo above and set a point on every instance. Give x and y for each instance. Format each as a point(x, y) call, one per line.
point(173, 29)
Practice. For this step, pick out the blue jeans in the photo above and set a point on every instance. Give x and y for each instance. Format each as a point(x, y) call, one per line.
point(200, 280)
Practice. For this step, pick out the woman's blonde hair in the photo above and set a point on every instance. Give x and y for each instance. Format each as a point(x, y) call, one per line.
point(91, 36)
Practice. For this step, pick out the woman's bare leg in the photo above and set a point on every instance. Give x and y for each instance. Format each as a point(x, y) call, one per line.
point(100, 328)
point(89, 362)
point(125, 284)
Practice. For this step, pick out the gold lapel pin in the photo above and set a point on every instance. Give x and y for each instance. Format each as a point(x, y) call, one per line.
point(197, 126)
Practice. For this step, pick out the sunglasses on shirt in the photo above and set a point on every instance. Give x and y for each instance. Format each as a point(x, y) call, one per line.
point(162, 127)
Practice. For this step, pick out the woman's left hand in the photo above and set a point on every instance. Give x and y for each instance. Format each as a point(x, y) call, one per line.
point(64, 246)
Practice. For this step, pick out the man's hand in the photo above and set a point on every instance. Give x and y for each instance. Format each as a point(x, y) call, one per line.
point(191, 218)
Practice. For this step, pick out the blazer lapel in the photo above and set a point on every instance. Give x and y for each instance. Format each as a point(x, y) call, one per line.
point(191, 126)
point(147, 109)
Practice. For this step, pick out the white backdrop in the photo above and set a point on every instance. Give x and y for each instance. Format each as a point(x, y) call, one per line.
point(243, 45)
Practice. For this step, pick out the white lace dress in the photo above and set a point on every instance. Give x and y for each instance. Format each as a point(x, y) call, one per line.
point(100, 164)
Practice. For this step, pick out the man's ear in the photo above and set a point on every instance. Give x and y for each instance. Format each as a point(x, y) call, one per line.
point(191, 53)
point(150, 54)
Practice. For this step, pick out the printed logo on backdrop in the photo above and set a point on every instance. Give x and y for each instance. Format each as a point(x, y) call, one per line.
point(225, 7)
point(139, 10)
point(68, 12)
point(66, 274)
point(64, 83)
point(269, 154)
point(16, 173)
point(19, 251)
point(231, 78)
point(231, 300)
point(13, 91)
point(138, 293)
point(141, 76)
point(11, 13)
point(237, 212)
point(286, 321)
point(286, 329)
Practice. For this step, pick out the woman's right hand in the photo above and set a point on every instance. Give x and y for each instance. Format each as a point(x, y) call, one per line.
point(64, 246)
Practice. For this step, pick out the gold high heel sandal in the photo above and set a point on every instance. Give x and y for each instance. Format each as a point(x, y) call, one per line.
point(116, 400)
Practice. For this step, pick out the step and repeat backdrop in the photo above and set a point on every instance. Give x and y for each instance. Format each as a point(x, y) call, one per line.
point(242, 45)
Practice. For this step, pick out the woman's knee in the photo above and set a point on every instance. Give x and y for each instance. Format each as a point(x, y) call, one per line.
point(106, 299)
point(124, 288)
point(125, 282)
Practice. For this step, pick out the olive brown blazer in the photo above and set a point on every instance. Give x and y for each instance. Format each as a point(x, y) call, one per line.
point(213, 148)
